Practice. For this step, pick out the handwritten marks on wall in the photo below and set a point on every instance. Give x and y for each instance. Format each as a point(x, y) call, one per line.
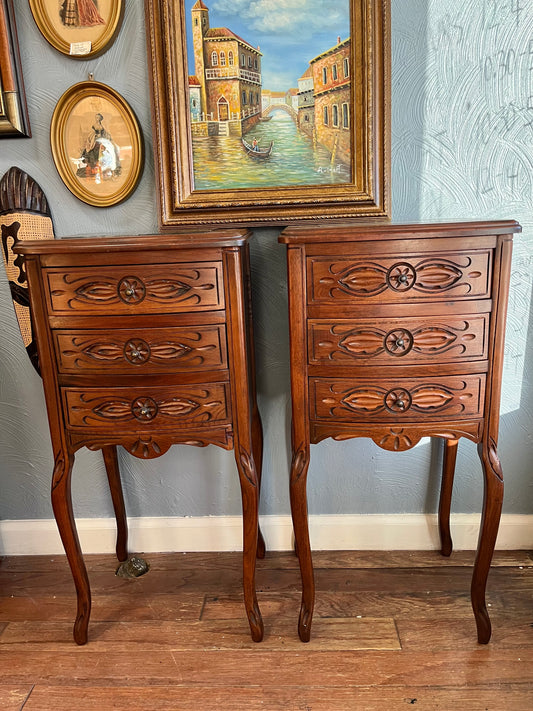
point(470, 134)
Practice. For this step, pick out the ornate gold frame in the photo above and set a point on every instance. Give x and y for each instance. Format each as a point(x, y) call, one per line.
point(14, 121)
point(367, 194)
point(58, 139)
point(41, 14)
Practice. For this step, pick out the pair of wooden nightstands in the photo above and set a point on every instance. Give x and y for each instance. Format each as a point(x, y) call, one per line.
point(396, 334)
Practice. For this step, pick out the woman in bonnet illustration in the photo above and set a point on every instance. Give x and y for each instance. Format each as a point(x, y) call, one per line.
point(80, 13)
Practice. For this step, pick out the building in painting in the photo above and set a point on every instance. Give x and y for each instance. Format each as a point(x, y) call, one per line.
point(195, 98)
point(332, 98)
point(306, 102)
point(228, 70)
point(291, 99)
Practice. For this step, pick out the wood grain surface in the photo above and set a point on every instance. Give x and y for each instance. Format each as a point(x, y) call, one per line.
point(391, 630)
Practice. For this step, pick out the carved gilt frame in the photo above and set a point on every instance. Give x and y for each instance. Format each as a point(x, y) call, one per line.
point(97, 144)
point(75, 37)
point(364, 193)
point(14, 120)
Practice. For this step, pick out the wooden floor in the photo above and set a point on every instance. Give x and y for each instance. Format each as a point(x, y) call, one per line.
point(391, 631)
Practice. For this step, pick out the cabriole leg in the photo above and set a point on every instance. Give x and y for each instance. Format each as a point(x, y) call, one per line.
point(298, 494)
point(117, 496)
point(490, 521)
point(62, 506)
point(257, 446)
point(250, 510)
point(445, 502)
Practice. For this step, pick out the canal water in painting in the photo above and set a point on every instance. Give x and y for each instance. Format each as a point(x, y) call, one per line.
point(220, 162)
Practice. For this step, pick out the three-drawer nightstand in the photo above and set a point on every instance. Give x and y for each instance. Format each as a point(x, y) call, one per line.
point(397, 333)
point(145, 342)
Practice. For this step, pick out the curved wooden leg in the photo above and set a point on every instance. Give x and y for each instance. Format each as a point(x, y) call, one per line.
point(445, 501)
point(490, 521)
point(117, 496)
point(250, 511)
point(257, 446)
point(298, 494)
point(62, 506)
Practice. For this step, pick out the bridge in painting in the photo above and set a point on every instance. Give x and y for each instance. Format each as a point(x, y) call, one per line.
point(267, 110)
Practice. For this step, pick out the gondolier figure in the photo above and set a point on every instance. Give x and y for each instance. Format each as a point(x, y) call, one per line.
point(255, 144)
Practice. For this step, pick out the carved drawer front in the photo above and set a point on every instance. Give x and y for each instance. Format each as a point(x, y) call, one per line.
point(136, 289)
point(133, 409)
point(403, 399)
point(434, 339)
point(400, 278)
point(136, 351)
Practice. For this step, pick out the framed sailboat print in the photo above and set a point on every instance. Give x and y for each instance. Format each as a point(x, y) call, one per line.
point(270, 113)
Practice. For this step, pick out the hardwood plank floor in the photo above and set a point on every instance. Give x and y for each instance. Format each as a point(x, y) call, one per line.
point(391, 630)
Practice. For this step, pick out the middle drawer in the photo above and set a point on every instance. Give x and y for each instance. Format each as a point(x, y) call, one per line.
point(128, 351)
point(433, 339)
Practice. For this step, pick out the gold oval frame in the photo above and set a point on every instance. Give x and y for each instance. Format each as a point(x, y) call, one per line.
point(58, 139)
point(42, 17)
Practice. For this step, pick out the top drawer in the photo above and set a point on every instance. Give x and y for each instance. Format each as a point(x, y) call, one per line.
point(400, 278)
point(135, 289)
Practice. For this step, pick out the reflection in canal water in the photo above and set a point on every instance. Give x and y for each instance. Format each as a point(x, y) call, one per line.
point(220, 162)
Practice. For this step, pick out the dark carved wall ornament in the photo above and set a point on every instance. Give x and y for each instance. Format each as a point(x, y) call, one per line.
point(24, 214)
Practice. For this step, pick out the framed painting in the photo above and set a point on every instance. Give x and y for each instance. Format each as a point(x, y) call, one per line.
point(270, 112)
point(78, 28)
point(96, 144)
point(14, 121)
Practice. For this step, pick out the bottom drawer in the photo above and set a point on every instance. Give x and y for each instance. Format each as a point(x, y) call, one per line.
point(133, 409)
point(409, 399)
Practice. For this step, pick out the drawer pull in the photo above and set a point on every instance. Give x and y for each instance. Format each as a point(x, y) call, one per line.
point(131, 290)
point(401, 276)
point(137, 351)
point(398, 342)
point(144, 409)
point(397, 400)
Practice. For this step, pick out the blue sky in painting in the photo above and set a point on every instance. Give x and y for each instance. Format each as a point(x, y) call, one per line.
point(288, 32)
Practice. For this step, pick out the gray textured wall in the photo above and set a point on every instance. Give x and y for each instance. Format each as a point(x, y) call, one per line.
point(462, 148)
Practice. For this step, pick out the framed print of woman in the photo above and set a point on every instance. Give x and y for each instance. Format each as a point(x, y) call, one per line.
point(80, 29)
point(80, 13)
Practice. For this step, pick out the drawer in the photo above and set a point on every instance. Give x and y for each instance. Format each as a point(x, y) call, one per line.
point(126, 410)
point(135, 289)
point(400, 278)
point(402, 399)
point(126, 351)
point(437, 339)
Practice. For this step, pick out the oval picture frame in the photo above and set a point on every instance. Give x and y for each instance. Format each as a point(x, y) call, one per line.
point(78, 28)
point(96, 144)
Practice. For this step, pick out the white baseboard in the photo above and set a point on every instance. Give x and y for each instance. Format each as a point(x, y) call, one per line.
point(224, 533)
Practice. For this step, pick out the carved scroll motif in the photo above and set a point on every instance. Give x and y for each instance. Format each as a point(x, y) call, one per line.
point(148, 447)
point(160, 348)
point(396, 438)
point(424, 276)
point(132, 290)
point(300, 462)
point(463, 274)
point(248, 466)
point(157, 287)
point(455, 397)
point(338, 341)
point(200, 405)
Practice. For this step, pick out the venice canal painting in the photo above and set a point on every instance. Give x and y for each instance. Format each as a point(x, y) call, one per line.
point(269, 92)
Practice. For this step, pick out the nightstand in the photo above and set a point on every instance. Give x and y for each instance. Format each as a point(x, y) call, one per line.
point(145, 342)
point(397, 333)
